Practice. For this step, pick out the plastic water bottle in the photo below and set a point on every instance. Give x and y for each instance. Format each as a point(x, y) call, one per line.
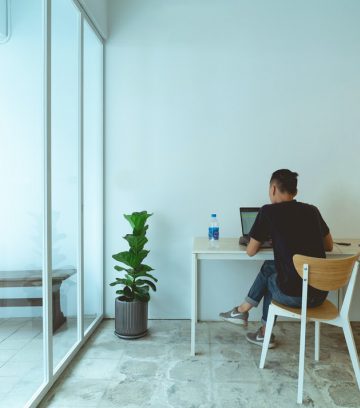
point(214, 231)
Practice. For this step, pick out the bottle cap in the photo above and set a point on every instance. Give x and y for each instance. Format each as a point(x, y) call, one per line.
point(213, 215)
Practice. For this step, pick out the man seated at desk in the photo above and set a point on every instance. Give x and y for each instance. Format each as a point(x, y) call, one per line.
point(295, 228)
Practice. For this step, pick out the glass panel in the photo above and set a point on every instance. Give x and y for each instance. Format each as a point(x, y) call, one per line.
point(65, 182)
point(21, 205)
point(92, 176)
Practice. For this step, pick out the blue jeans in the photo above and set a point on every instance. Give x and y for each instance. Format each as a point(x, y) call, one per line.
point(266, 286)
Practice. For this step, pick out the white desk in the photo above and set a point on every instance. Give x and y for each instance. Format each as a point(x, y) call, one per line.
point(229, 249)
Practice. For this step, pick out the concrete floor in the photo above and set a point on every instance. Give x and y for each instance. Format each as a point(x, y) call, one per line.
point(158, 371)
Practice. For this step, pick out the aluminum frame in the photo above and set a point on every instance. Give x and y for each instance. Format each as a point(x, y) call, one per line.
point(51, 375)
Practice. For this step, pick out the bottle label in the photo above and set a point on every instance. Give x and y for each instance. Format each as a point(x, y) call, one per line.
point(214, 233)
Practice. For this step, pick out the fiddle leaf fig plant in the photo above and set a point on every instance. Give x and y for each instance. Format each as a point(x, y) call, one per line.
point(136, 280)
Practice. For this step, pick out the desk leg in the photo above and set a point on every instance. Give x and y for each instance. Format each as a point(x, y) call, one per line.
point(193, 302)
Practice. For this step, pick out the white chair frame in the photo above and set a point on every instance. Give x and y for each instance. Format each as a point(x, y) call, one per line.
point(342, 320)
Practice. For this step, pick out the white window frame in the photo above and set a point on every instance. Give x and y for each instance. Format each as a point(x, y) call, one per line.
point(51, 375)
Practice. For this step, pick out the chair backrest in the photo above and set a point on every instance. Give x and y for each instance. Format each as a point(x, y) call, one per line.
point(326, 274)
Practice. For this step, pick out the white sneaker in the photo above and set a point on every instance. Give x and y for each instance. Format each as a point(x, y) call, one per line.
point(235, 317)
point(258, 338)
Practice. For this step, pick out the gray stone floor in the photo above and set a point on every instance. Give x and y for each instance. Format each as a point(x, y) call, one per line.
point(158, 371)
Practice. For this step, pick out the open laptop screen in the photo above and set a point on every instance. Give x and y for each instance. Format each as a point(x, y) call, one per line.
point(248, 216)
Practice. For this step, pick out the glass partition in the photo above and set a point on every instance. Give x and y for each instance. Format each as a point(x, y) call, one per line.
point(65, 174)
point(21, 205)
point(27, 352)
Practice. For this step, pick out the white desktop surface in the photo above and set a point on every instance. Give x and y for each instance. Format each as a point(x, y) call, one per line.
point(230, 247)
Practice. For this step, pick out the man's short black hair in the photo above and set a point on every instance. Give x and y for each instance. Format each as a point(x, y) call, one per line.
point(285, 180)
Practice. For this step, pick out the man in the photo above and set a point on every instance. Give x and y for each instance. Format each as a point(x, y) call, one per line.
point(295, 228)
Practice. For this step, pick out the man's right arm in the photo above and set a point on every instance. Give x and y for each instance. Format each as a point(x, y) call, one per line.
point(253, 247)
point(328, 242)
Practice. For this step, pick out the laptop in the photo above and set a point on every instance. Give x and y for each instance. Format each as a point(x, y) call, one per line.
point(247, 217)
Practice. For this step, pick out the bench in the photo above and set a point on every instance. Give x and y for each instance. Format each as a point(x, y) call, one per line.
point(33, 278)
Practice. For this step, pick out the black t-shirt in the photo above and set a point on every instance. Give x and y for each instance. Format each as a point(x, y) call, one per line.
point(295, 228)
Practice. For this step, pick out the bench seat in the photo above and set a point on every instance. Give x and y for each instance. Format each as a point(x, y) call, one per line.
point(33, 278)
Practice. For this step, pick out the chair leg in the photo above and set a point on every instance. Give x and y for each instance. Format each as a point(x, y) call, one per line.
point(352, 349)
point(268, 331)
point(301, 360)
point(317, 341)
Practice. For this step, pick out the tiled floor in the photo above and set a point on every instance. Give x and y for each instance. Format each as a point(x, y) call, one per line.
point(158, 371)
point(21, 356)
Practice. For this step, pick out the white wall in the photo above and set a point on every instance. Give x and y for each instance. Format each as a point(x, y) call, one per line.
point(204, 100)
point(98, 12)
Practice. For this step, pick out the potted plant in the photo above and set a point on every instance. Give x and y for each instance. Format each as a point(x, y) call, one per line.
point(131, 306)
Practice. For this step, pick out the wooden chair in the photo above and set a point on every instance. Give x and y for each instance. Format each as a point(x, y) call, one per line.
point(324, 274)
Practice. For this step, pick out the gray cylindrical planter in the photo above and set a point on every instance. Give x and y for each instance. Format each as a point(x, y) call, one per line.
point(130, 319)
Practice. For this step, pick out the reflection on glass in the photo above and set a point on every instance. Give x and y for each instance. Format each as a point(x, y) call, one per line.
point(21, 206)
point(92, 176)
point(65, 181)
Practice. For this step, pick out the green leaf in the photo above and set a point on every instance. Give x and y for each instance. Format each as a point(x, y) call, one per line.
point(130, 278)
point(145, 275)
point(142, 290)
point(128, 292)
point(150, 276)
point(130, 258)
point(119, 268)
point(137, 220)
point(146, 282)
point(144, 268)
point(136, 242)
point(119, 281)
point(123, 294)
point(142, 298)
point(129, 282)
